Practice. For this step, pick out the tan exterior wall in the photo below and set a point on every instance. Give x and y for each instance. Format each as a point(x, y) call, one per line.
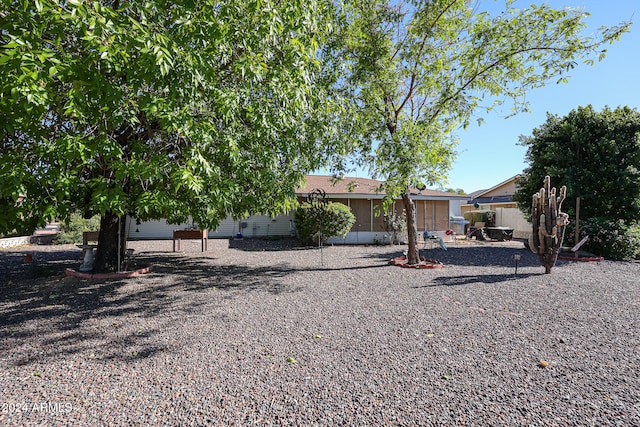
point(507, 189)
point(507, 215)
point(503, 205)
point(513, 218)
point(466, 208)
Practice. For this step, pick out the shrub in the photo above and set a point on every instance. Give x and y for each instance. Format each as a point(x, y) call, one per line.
point(332, 219)
point(595, 154)
point(396, 225)
point(71, 229)
point(612, 239)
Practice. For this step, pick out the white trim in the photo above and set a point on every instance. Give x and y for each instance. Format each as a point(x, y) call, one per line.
point(371, 214)
point(433, 216)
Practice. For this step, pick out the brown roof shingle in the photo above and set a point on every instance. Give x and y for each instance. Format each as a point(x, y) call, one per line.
point(362, 186)
point(345, 185)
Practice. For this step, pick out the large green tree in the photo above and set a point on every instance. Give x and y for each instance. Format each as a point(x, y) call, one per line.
point(595, 154)
point(157, 108)
point(418, 70)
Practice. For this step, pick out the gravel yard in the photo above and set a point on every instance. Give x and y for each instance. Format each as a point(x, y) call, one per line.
point(267, 333)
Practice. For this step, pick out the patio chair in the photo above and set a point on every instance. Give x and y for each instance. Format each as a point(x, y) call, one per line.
point(433, 240)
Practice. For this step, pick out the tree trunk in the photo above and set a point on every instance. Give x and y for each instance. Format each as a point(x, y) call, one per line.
point(107, 258)
point(413, 256)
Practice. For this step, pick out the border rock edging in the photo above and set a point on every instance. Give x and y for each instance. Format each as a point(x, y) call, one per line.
point(122, 275)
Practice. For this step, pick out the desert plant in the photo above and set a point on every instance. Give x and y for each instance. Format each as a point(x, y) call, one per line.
point(612, 239)
point(316, 222)
point(72, 228)
point(549, 223)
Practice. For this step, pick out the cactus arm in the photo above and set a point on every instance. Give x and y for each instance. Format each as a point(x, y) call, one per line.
point(548, 223)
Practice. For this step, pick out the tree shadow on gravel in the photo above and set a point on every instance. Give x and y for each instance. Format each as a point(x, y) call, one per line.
point(61, 315)
point(45, 263)
point(268, 245)
point(475, 279)
point(196, 273)
point(476, 256)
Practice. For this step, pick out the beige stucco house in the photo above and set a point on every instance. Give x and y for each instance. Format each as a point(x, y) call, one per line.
point(362, 195)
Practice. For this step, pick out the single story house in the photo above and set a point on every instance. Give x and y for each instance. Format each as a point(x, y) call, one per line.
point(499, 198)
point(362, 195)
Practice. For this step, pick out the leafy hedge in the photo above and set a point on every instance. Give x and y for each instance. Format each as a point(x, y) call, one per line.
point(612, 239)
point(71, 229)
point(595, 154)
point(333, 219)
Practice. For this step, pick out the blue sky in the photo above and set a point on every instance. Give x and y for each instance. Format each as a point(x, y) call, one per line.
point(489, 154)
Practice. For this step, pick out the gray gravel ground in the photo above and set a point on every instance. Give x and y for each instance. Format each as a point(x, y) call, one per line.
point(260, 333)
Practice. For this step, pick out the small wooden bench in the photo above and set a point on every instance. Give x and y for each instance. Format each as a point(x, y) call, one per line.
point(203, 235)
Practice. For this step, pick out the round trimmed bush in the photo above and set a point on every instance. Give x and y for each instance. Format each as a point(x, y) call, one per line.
point(331, 219)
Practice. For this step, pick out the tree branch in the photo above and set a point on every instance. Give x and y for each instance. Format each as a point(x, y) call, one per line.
point(483, 71)
point(419, 54)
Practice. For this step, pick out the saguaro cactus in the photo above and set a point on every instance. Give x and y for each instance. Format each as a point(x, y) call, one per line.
point(549, 223)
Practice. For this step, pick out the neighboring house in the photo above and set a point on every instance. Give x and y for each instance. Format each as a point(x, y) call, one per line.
point(500, 199)
point(434, 208)
point(498, 196)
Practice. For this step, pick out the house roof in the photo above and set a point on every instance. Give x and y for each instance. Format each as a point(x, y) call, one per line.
point(353, 186)
point(491, 199)
point(480, 193)
point(484, 196)
point(476, 193)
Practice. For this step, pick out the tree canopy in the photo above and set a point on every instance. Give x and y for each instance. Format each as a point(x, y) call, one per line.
point(208, 109)
point(595, 154)
point(162, 109)
point(421, 69)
